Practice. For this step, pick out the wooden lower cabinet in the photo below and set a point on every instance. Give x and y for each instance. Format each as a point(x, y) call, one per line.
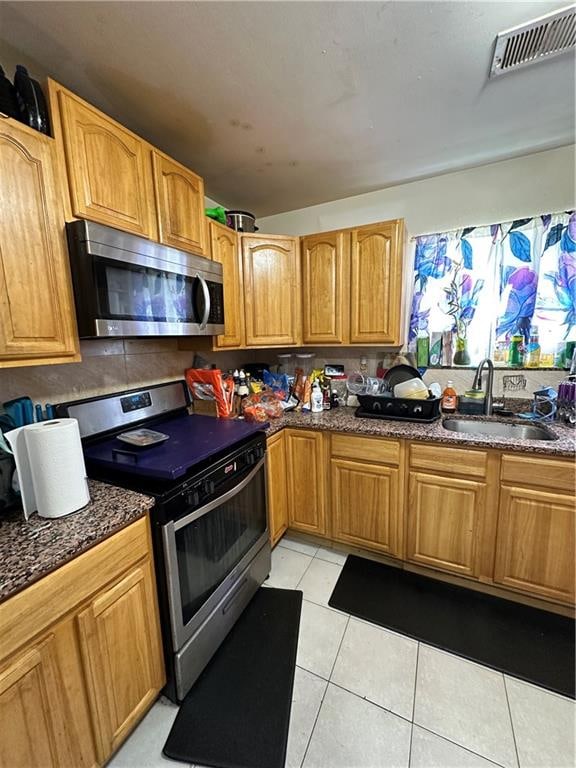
point(305, 470)
point(121, 649)
point(80, 656)
point(276, 487)
point(366, 505)
point(43, 712)
point(535, 550)
point(444, 522)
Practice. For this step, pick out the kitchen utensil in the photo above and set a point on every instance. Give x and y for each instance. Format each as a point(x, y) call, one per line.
point(8, 100)
point(39, 414)
point(143, 438)
point(241, 221)
point(400, 373)
point(31, 101)
point(412, 388)
point(21, 410)
point(398, 408)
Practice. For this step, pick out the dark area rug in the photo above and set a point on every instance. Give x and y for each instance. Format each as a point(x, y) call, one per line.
point(528, 643)
point(238, 712)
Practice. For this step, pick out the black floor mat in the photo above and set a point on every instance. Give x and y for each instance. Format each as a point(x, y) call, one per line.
point(521, 641)
point(238, 712)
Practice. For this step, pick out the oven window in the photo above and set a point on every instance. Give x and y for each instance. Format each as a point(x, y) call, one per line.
point(211, 546)
point(138, 293)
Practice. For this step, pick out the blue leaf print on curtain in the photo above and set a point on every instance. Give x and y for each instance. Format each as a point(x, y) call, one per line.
point(523, 283)
point(564, 279)
point(553, 236)
point(520, 246)
point(466, 254)
point(546, 219)
point(418, 319)
point(431, 259)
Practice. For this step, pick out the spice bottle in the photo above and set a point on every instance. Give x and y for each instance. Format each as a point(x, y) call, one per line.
point(449, 398)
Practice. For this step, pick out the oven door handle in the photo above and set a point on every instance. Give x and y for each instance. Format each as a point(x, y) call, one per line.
point(206, 292)
point(183, 522)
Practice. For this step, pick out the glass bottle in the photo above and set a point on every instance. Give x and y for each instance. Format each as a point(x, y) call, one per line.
point(533, 350)
point(516, 353)
point(422, 349)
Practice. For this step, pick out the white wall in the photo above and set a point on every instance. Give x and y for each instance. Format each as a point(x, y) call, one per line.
point(525, 186)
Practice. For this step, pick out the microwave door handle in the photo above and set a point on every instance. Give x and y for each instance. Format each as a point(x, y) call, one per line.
point(206, 292)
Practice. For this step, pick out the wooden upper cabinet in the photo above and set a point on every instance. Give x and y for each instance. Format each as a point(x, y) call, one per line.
point(376, 287)
point(325, 288)
point(180, 205)
point(37, 317)
point(121, 649)
point(225, 249)
point(271, 290)
point(109, 167)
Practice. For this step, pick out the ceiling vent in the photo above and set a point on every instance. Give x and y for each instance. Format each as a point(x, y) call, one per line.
point(538, 40)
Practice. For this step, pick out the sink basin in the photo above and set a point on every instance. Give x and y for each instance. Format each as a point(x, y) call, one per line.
point(497, 429)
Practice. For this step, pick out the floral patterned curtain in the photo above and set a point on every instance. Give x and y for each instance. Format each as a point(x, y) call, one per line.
point(485, 283)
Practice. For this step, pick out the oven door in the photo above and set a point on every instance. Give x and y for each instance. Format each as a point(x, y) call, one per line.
point(206, 552)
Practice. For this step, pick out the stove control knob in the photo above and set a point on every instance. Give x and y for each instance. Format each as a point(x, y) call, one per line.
point(251, 458)
point(193, 498)
point(209, 487)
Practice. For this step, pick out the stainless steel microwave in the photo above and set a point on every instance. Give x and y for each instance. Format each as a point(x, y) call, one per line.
point(125, 285)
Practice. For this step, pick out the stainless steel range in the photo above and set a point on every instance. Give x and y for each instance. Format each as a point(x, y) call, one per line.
point(209, 522)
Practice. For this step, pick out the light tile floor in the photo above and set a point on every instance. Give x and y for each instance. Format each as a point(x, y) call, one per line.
point(365, 697)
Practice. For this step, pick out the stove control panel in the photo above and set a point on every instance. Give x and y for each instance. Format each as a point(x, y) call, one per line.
point(135, 402)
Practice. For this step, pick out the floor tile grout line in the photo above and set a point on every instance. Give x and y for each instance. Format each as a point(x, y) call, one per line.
point(324, 694)
point(415, 682)
point(461, 746)
point(413, 705)
point(511, 720)
point(304, 574)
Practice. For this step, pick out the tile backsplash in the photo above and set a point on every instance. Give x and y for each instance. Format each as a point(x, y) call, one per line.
point(109, 365)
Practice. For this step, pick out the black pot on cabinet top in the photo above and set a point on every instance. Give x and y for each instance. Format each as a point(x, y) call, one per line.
point(8, 101)
point(31, 102)
point(241, 221)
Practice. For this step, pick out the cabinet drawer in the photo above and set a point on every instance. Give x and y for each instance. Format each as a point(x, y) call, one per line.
point(534, 470)
point(376, 449)
point(43, 603)
point(460, 461)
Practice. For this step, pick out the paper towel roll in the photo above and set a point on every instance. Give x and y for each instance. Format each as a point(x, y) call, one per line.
point(50, 466)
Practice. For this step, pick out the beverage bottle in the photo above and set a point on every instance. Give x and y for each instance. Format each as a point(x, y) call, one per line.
point(533, 350)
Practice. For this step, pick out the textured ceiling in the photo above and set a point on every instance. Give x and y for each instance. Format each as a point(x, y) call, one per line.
point(280, 105)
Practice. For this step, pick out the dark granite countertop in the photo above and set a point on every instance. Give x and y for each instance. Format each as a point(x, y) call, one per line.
point(31, 549)
point(343, 420)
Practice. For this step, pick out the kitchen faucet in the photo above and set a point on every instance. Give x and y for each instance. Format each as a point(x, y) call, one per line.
point(478, 384)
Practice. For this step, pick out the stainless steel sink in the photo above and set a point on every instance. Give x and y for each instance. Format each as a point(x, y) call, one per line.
point(498, 429)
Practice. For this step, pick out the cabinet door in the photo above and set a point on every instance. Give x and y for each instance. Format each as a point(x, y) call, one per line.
point(305, 473)
point(366, 505)
point(271, 290)
point(37, 317)
point(42, 707)
point(109, 168)
point(376, 292)
point(535, 549)
point(444, 517)
point(276, 487)
point(180, 205)
point(225, 249)
point(121, 651)
point(325, 288)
